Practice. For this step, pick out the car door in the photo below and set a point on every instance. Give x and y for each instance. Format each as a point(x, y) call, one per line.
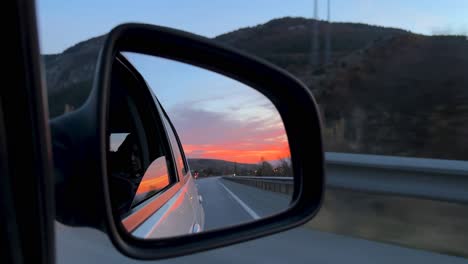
point(197, 218)
point(26, 211)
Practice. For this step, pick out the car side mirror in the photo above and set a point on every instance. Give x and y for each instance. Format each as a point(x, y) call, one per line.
point(119, 160)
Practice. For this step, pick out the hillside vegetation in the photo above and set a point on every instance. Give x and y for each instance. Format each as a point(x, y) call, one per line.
point(382, 90)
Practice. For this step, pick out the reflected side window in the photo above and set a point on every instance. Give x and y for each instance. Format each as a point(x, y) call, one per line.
point(137, 161)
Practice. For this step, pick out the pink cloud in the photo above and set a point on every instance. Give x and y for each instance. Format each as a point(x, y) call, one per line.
point(206, 134)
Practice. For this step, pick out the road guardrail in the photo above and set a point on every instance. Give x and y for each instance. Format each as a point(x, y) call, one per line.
point(445, 180)
point(270, 183)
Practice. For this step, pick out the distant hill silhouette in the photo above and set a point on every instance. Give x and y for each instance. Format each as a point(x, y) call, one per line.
point(383, 91)
point(70, 75)
point(215, 167)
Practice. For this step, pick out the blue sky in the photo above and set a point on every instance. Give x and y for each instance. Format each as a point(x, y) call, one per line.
point(64, 23)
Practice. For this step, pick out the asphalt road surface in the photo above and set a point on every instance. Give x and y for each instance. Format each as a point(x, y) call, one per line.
point(226, 203)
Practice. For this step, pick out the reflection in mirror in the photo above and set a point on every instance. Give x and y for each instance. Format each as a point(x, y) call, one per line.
point(155, 179)
point(213, 155)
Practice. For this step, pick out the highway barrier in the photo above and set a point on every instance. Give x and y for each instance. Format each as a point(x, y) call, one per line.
point(270, 183)
point(444, 180)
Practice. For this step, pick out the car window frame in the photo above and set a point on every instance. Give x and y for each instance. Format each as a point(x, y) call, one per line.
point(179, 144)
point(155, 121)
point(143, 210)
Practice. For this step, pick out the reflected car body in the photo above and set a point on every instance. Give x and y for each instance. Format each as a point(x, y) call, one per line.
point(181, 214)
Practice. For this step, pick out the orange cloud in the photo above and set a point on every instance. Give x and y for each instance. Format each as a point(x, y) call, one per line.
point(220, 135)
point(240, 152)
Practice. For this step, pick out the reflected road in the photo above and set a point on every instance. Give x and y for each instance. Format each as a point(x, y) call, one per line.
point(227, 203)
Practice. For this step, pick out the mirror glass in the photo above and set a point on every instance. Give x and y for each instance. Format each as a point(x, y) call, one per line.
point(191, 150)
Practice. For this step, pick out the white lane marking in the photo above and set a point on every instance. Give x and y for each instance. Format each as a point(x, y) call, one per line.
point(249, 210)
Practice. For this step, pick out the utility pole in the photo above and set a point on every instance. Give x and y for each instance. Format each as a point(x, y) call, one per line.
point(327, 37)
point(315, 42)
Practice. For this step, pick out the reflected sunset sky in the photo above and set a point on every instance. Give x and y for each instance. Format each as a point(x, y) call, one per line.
point(216, 117)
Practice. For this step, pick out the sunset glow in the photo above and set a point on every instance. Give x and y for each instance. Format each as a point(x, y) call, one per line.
point(205, 135)
point(156, 177)
point(215, 117)
point(154, 184)
point(231, 153)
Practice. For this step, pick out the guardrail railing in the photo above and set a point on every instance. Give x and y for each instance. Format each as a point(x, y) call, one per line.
point(275, 184)
point(437, 179)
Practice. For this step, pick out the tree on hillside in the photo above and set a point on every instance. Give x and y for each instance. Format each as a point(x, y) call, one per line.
point(284, 168)
point(264, 168)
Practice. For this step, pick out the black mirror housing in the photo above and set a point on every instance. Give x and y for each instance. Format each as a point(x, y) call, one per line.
point(292, 99)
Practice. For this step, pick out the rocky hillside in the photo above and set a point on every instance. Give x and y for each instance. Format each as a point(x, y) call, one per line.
point(70, 75)
point(406, 95)
point(288, 43)
point(380, 90)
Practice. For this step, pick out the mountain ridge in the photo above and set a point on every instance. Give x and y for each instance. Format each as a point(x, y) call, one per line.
point(383, 90)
